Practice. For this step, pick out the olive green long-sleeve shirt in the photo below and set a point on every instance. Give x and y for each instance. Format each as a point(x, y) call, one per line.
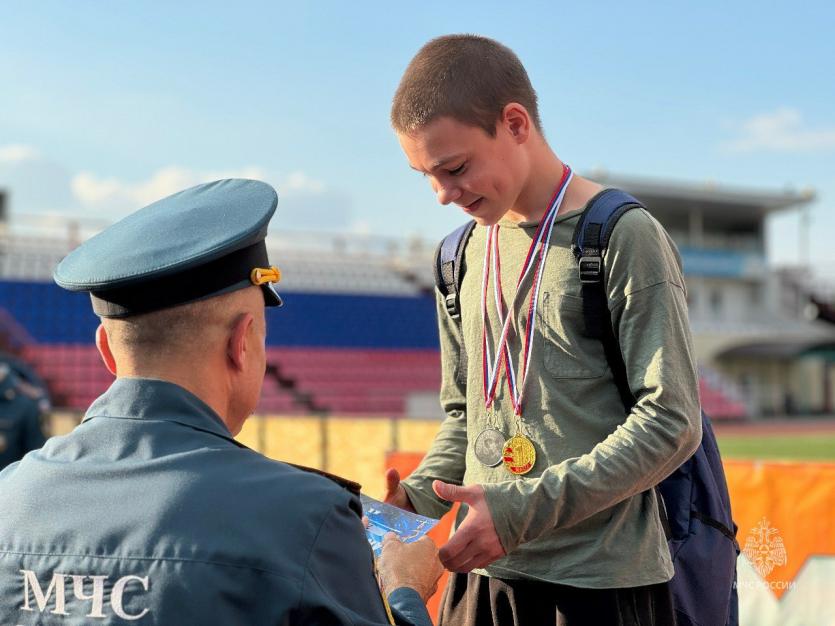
point(585, 515)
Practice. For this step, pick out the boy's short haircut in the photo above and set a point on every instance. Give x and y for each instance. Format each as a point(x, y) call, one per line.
point(466, 77)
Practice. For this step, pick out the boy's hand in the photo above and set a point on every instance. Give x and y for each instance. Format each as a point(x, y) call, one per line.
point(414, 565)
point(475, 544)
point(395, 494)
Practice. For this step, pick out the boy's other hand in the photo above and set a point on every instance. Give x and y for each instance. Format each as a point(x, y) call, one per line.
point(413, 565)
point(475, 544)
point(395, 494)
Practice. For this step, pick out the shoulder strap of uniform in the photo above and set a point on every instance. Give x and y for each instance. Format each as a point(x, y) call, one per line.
point(591, 238)
point(350, 485)
point(449, 270)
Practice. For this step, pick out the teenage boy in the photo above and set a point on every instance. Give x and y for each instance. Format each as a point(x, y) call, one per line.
point(560, 524)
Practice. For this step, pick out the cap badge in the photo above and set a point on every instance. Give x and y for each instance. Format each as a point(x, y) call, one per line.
point(261, 275)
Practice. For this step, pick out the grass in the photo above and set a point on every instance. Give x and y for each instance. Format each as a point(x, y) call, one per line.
point(783, 446)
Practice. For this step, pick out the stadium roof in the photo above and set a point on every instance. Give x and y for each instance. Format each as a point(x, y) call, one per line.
point(710, 197)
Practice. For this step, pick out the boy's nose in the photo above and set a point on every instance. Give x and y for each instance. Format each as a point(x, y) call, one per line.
point(448, 194)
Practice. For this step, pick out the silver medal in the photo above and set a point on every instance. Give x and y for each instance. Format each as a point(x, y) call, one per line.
point(489, 446)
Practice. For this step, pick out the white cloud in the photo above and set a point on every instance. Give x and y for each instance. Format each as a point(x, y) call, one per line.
point(780, 131)
point(360, 227)
point(39, 185)
point(304, 203)
point(117, 196)
point(300, 182)
point(16, 153)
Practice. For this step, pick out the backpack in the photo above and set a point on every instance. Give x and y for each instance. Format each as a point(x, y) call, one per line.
point(696, 508)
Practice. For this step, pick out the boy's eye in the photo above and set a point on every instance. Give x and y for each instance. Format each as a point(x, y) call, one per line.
point(458, 170)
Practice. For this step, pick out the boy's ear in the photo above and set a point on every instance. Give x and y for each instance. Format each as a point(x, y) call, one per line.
point(236, 343)
point(103, 344)
point(517, 121)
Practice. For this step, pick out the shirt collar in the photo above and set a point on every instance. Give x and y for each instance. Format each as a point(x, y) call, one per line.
point(509, 223)
point(147, 398)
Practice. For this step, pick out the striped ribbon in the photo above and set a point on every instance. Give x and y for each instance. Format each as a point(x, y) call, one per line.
point(491, 364)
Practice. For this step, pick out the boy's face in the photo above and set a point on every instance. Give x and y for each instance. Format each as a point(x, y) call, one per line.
point(483, 175)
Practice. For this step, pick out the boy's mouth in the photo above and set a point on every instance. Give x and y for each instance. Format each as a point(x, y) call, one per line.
point(473, 206)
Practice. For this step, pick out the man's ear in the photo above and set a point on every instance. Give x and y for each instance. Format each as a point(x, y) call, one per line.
point(236, 344)
point(103, 344)
point(517, 121)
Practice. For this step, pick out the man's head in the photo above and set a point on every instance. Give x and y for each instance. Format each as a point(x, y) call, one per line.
point(466, 116)
point(218, 341)
point(181, 287)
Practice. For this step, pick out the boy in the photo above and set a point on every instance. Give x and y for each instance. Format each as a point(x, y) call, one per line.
point(562, 527)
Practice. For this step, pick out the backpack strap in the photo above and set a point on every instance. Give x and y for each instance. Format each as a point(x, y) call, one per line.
point(449, 271)
point(449, 260)
point(589, 244)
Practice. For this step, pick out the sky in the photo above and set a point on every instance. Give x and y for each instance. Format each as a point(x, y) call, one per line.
point(107, 106)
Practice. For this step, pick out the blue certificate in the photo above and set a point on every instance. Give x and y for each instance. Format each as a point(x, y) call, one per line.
point(383, 518)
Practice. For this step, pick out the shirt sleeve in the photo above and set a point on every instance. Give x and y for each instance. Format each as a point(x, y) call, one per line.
point(648, 308)
point(407, 607)
point(340, 587)
point(446, 457)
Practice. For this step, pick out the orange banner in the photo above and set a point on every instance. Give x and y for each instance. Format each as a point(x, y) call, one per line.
point(785, 513)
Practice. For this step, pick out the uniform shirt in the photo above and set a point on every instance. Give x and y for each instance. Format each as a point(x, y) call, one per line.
point(21, 428)
point(582, 516)
point(150, 513)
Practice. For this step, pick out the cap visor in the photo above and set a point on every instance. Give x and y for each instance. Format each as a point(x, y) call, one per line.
point(271, 298)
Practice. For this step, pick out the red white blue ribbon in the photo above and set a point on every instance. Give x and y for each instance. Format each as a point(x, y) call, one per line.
point(491, 364)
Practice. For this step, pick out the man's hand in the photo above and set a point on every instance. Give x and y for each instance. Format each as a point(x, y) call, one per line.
point(414, 565)
point(475, 544)
point(395, 494)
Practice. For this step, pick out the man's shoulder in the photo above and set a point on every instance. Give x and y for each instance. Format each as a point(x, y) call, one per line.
point(344, 483)
point(268, 480)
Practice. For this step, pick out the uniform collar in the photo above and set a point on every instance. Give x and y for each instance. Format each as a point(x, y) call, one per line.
point(148, 398)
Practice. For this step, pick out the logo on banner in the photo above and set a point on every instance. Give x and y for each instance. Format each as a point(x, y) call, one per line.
point(764, 548)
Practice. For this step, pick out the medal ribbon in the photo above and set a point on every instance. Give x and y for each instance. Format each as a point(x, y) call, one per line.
point(492, 365)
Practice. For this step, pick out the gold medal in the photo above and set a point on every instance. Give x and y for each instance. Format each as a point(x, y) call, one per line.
point(519, 455)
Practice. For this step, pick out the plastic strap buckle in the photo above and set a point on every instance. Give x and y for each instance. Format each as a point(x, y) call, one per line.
point(591, 267)
point(451, 302)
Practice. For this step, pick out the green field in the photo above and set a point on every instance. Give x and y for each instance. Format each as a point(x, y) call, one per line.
point(784, 446)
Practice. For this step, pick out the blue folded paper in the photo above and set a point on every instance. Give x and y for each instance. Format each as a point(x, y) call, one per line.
point(383, 518)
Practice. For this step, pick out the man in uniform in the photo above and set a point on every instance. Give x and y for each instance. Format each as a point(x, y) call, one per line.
point(22, 408)
point(149, 512)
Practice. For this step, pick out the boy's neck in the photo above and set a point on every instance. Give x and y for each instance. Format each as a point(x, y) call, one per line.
point(545, 175)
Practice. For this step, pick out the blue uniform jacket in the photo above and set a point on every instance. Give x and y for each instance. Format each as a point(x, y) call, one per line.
point(150, 513)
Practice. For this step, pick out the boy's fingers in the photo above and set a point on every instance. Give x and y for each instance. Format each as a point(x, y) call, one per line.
point(452, 549)
point(451, 493)
point(392, 480)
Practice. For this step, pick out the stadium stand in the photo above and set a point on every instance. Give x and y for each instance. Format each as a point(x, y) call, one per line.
point(720, 398)
point(356, 336)
point(359, 348)
point(330, 353)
